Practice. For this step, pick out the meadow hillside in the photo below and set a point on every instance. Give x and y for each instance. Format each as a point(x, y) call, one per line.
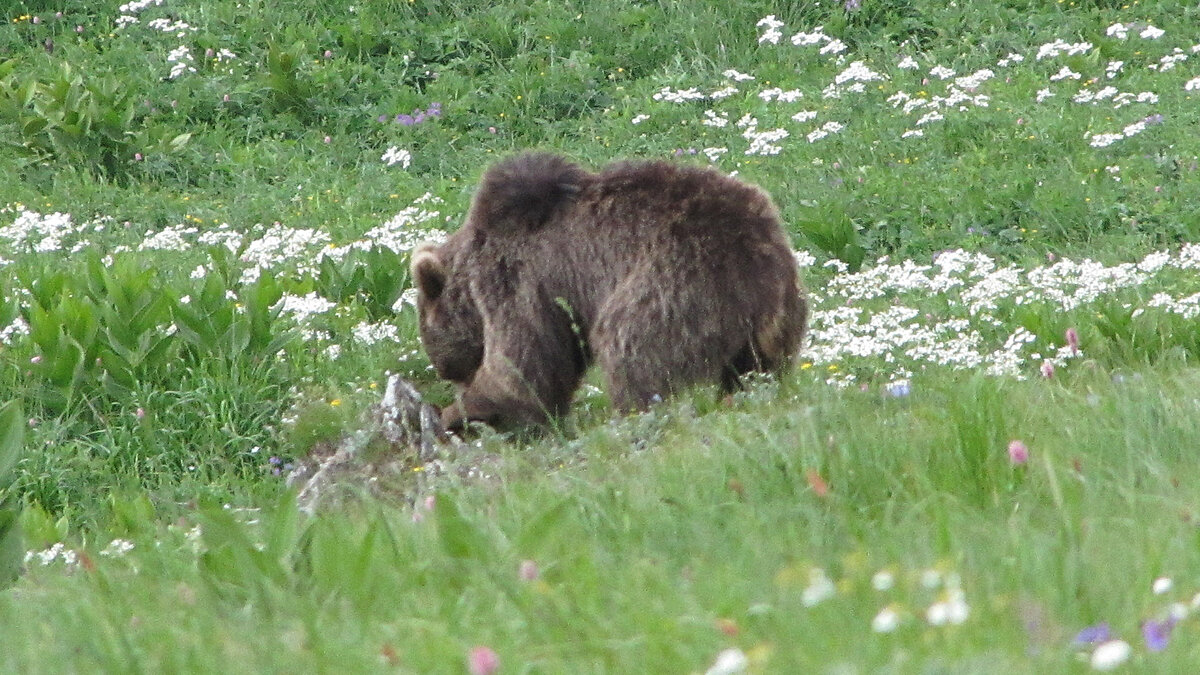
point(985, 459)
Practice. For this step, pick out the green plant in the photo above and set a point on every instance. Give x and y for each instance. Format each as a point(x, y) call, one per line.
point(12, 435)
point(833, 232)
point(216, 322)
point(98, 337)
point(374, 277)
point(73, 119)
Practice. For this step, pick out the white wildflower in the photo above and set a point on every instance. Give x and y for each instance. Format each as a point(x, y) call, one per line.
point(729, 662)
point(1010, 59)
point(303, 307)
point(221, 236)
point(820, 588)
point(816, 37)
point(284, 247)
point(17, 328)
point(1110, 655)
point(407, 299)
point(883, 580)
point(138, 5)
point(1151, 33)
point(764, 142)
point(886, 621)
point(933, 116)
point(824, 130)
point(117, 548)
point(908, 63)
point(1058, 47)
point(1065, 73)
point(772, 26)
point(736, 76)
point(952, 609)
point(834, 46)
point(975, 79)
point(638, 119)
point(857, 72)
point(181, 56)
point(394, 155)
point(1104, 140)
point(941, 72)
point(371, 333)
point(682, 96)
point(1133, 129)
point(777, 94)
point(56, 552)
point(168, 239)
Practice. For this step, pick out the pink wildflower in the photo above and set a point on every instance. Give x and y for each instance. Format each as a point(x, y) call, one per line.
point(1018, 454)
point(482, 661)
point(1047, 369)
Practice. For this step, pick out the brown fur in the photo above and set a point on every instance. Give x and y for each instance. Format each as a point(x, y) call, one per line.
point(665, 275)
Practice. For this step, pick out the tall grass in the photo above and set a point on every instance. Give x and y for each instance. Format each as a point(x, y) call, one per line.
point(205, 226)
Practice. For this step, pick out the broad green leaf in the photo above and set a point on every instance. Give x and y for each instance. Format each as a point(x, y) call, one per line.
point(12, 547)
point(12, 438)
point(460, 537)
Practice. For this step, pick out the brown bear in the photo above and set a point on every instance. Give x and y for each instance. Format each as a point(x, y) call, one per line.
point(665, 275)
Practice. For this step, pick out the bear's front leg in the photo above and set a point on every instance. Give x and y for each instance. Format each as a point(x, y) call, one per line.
point(500, 402)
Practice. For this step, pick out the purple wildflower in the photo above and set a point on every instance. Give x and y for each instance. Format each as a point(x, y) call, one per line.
point(1153, 119)
point(1157, 633)
point(405, 120)
point(1093, 635)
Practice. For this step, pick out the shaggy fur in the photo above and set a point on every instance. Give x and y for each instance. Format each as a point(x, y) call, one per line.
point(665, 275)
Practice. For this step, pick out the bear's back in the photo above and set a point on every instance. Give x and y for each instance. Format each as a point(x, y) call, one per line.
point(655, 199)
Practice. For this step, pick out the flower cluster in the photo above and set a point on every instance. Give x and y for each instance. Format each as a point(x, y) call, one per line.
point(42, 233)
point(975, 326)
point(1108, 651)
point(928, 102)
point(417, 116)
point(394, 156)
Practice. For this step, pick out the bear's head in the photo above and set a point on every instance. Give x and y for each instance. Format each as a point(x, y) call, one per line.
point(450, 323)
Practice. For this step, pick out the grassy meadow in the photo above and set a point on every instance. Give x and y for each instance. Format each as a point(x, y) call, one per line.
point(984, 461)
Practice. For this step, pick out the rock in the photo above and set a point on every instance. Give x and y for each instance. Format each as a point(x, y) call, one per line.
point(397, 450)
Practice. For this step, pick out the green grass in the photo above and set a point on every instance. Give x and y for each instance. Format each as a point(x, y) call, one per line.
point(160, 384)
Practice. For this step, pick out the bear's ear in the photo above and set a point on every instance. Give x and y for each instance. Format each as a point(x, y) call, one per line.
point(428, 271)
